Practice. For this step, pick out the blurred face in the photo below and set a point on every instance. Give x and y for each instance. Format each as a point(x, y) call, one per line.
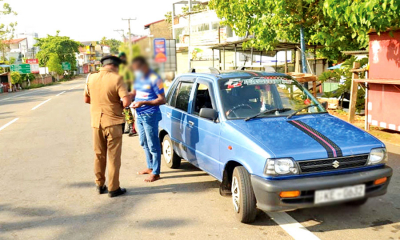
point(139, 70)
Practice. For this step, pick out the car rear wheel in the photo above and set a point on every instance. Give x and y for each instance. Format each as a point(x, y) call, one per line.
point(244, 200)
point(170, 157)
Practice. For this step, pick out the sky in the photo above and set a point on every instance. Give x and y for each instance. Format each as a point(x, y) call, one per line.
point(85, 20)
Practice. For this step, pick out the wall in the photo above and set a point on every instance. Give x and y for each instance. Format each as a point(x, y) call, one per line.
point(161, 30)
point(384, 52)
point(45, 80)
point(383, 99)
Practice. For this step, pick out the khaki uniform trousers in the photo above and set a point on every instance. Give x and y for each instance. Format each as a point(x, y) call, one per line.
point(107, 142)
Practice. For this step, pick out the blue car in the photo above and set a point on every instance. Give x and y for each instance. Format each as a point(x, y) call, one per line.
point(269, 142)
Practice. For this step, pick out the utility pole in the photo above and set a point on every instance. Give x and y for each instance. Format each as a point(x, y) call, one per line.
point(129, 32)
point(190, 11)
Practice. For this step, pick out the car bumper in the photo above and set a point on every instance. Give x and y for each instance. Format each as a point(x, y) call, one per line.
point(267, 191)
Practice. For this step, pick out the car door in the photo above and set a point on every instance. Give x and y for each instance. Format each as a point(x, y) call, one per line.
point(176, 113)
point(203, 134)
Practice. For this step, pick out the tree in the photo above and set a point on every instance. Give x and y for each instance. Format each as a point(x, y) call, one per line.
point(325, 22)
point(6, 31)
point(15, 77)
point(54, 64)
point(64, 47)
point(185, 10)
point(112, 43)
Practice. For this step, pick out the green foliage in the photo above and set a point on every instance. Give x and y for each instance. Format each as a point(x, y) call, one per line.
point(344, 73)
point(185, 11)
point(64, 47)
point(112, 43)
point(125, 70)
point(39, 85)
point(336, 24)
point(54, 64)
point(331, 75)
point(15, 78)
point(6, 31)
point(26, 77)
point(12, 61)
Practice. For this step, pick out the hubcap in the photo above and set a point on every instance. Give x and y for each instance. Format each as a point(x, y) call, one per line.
point(235, 194)
point(167, 151)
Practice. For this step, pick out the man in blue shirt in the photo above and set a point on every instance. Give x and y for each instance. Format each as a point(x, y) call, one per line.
point(148, 92)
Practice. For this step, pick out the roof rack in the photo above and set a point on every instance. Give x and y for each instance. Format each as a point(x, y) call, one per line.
point(264, 68)
point(205, 70)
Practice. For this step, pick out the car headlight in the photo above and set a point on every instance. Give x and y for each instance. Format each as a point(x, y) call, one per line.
point(281, 166)
point(377, 156)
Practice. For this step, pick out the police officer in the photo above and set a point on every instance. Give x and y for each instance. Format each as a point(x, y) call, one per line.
point(104, 92)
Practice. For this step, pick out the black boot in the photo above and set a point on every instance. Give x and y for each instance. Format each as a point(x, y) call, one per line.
point(101, 190)
point(117, 192)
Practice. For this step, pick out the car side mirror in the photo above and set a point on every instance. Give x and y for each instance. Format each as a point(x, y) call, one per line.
point(208, 113)
point(325, 105)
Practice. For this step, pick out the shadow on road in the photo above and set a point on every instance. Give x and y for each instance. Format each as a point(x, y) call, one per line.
point(377, 213)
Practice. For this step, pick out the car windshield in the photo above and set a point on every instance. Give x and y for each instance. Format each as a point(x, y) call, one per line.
point(271, 96)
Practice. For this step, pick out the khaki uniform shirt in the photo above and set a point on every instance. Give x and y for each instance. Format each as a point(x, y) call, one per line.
point(105, 90)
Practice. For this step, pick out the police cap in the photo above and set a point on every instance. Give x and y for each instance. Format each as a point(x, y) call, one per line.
point(110, 60)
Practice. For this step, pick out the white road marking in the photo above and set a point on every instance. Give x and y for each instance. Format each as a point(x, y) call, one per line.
point(60, 93)
point(72, 88)
point(291, 226)
point(8, 124)
point(40, 104)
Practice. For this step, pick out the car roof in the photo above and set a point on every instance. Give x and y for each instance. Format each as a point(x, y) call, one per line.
point(235, 74)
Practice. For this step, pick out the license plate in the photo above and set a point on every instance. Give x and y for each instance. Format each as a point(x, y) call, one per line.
point(338, 194)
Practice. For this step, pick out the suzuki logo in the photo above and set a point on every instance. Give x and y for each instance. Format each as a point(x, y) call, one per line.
point(335, 164)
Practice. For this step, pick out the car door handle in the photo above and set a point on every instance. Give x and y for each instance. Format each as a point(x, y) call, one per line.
point(191, 123)
point(169, 114)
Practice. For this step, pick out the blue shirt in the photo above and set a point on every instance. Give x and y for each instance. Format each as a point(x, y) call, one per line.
point(147, 89)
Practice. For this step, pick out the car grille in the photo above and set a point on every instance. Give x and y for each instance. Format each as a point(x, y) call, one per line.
point(331, 164)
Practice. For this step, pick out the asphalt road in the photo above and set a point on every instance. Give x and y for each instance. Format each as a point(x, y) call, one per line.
point(47, 188)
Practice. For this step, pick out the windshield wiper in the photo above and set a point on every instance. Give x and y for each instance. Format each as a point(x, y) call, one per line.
point(268, 111)
point(301, 109)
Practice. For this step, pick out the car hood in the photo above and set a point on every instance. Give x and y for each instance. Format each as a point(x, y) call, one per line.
point(282, 138)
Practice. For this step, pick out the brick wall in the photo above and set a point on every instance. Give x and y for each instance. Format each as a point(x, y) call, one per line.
point(45, 80)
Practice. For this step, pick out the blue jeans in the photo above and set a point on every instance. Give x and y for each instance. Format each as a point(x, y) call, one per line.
point(147, 125)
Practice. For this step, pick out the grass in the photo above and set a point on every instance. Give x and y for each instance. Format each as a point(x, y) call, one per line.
point(32, 86)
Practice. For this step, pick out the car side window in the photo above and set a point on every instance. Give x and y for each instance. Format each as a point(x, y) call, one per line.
point(182, 96)
point(172, 92)
point(202, 98)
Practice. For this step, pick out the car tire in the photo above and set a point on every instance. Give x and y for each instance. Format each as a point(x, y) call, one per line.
point(243, 198)
point(170, 157)
point(358, 202)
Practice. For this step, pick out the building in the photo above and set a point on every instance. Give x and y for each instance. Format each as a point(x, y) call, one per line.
point(15, 48)
point(87, 57)
point(206, 43)
point(31, 41)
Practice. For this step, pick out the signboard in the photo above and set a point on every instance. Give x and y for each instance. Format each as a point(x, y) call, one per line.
point(32, 61)
point(43, 70)
point(66, 66)
point(35, 68)
point(160, 50)
point(21, 68)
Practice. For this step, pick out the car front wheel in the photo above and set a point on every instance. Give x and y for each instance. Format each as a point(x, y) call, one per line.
point(170, 157)
point(244, 200)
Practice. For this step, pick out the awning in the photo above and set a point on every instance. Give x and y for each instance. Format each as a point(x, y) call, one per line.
point(335, 67)
point(4, 65)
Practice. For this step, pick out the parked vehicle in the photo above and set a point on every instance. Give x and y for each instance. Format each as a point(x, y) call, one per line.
point(269, 142)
